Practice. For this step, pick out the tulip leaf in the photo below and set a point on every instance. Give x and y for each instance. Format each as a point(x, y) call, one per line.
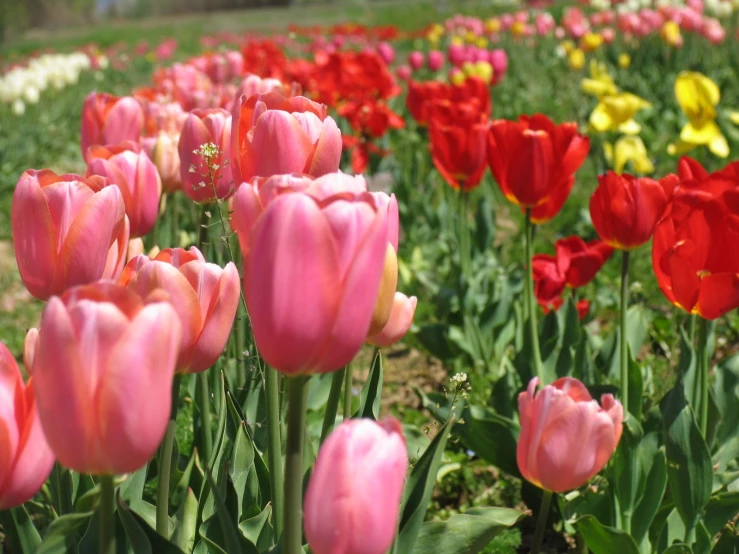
point(369, 398)
point(20, 533)
point(187, 519)
point(141, 536)
point(466, 533)
point(678, 548)
point(605, 540)
point(225, 535)
point(722, 508)
point(418, 490)
point(257, 530)
point(689, 471)
point(728, 542)
point(652, 465)
point(63, 535)
point(687, 369)
point(726, 393)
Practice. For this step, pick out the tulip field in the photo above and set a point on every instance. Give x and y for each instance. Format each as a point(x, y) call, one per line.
point(437, 277)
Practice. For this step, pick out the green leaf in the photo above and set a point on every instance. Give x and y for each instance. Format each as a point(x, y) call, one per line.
point(721, 509)
point(187, 520)
point(678, 548)
point(21, 535)
point(418, 490)
point(64, 533)
point(369, 398)
point(689, 471)
point(638, 322)
point(605, 540)
point(653, 473)
point(466, 533)
point(141, 535)
point(687, 368)
point(726, 394)
point(728, 542)
point(257, 530)
point(228, 530)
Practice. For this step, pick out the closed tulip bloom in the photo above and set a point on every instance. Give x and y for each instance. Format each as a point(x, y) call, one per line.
point(108, 119)
point(253, 84)
point(163, 151)
point(625, 210)
point(353, 497)
point(312, 275)
point(204, 295)
point(457, 133)
point(580, 261)
point(532, 158)
point(435, 60)
point(566, 437)
point(67, 231)
point(415, 60)
point(204, 149)
point(137, 178)
point(25, 456)
point(401, 319)
point(103, 372)
point(275, 135)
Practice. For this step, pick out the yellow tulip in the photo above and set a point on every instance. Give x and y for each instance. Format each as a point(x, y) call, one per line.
point(628, 149)
point(457, 78)
point(590, 42)
point(492, 25)
point(624, 60)
point(600, 83)
point(468, 68)
point(518, 29)
point(484, 71)
point(568, 46)
point(470, 37)
point(616, 113)
point(457, 40)
point(698, 97)
point(670, 33)
point(576, 59)
point(482, 42)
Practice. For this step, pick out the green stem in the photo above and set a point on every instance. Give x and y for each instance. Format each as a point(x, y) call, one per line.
point(348, 392)
point(203, 233)
point(691, 328)
point(204, 405)
point(274, 445)
point(703, 374)
point(532, 305)
point(541, 521)
point(165, 462)
point(464, 239)
point(297, 396)
point(332, 406)
point(107, 508)
point(56, 488)
point(624, 345)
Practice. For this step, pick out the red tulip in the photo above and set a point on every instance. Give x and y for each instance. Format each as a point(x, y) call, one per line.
point(457, 134)
point(204, 296)
point(67, 231)
point(25, 457)
point(533, 160)
point(137, 178)
point(625, 209)
point(353, 498)
point(204, 150)
point(108, 119)
point(579, 261)
point(274, 135)
point(103, 371)
point(566, 437)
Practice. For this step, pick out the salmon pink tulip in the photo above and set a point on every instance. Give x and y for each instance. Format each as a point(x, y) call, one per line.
point(566, 437)
point(275, 135)
point(108, 119)
point(67, 231)
point(25, 456)
point(136, 176)
point(253, 84)
point(204, 150)
point(313, 271)
point(163, 151)
point(401, 319)
point(204, 295)
point(353, 497)
point(103, 371)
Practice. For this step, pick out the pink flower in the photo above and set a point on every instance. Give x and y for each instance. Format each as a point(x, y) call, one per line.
point(401, 319)
point(25, 456)
point(435, 60)
point(67, 231)
point(353, 497)
point(415, 60)
point(108, 119)
point(566, 437)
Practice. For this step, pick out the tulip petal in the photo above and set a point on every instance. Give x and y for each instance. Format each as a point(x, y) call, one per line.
point(401, 319)
point(246, 210)
point(327, 155)
point(124, 121)
point(279, 144)
point(719, 294)
point(10, 380)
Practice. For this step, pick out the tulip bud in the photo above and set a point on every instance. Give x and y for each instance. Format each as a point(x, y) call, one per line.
point(401, 319)
point(107, 119)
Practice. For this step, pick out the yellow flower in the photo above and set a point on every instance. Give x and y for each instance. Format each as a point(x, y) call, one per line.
point(470, 37)
point(568, 46)
point(600, 83)
point(590, 42)
point(616, 113)
point(576, 59)
point(457, 40)
point(482, 42)
point(518, 28)
point(698, 97)
point(492, 25)
point(628, 149)
point(468, 68)
point(624, 60)
point(484, 71)
point(457, 77)
point(670, 33)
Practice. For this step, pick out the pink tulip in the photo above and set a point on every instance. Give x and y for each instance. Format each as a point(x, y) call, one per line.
point(253, 84)
point(25, 457)
point(163, 151)
point(415, 60)
point(386, 52)
point(137, 178)
point(103, 372)
point(353, 497)
point(274, 135)
point(163, 116)
point(312, 276)
point(204, 296)
point(67, 231)
point(108, 119)
point(403, 72)
point(566, 437)
point(401, 319)
point(499, 60)
point(204, 150)
point(435, 60)
point(457, 54)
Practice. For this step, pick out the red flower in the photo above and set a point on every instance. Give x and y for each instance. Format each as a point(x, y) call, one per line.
point(625, 210)
point(582, 306)
point(422, 94)
point(534, 161)
point(457, 134)
point(371, 118)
